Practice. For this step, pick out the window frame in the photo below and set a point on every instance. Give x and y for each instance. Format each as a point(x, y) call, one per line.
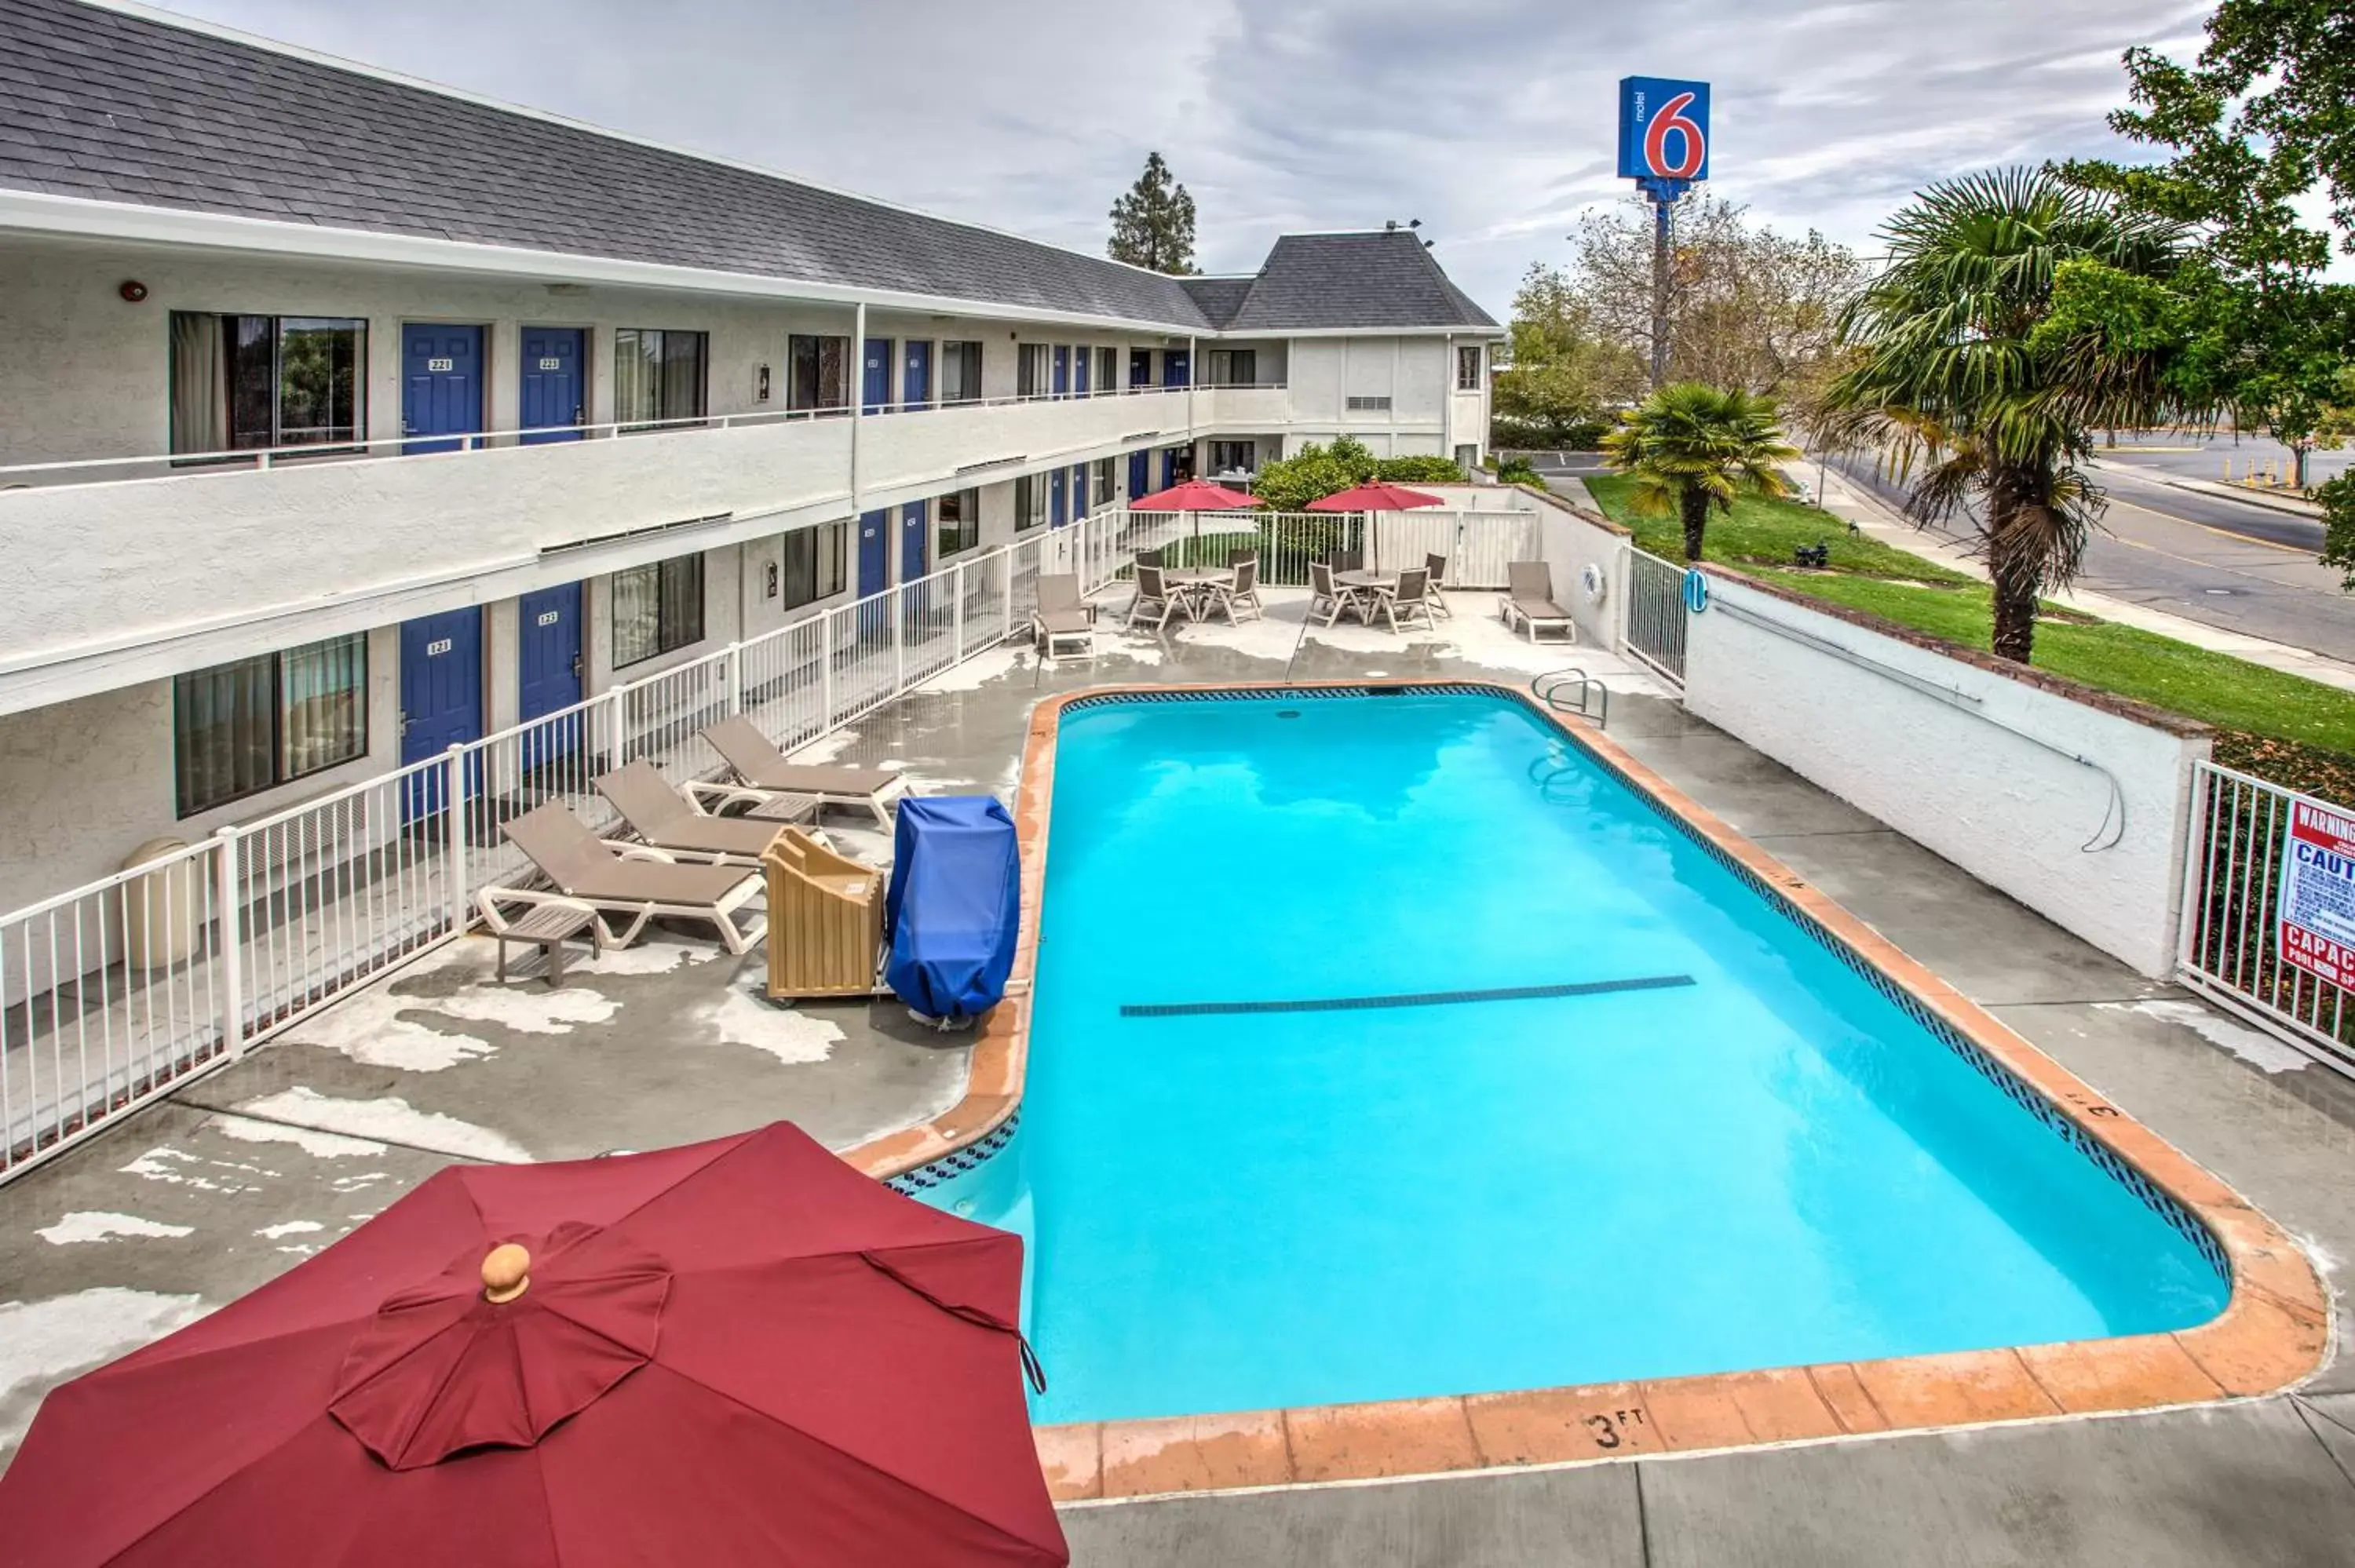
point(966, 356)
point(657, 372)
point(356, 434)
point(1469, 358)
point(1229, 449)
point(957, 525)
point(279, 772)
point(826, 559)
point(1030, 502)
point(822, 407)
point(665, 642)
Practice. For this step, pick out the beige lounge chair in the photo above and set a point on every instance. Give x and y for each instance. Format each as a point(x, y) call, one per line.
point(635, 880)
point(663, 818)
point(1410, 598)
point(828, 913)
point(1064, 624)
point(1527, 601)
point(763, 773)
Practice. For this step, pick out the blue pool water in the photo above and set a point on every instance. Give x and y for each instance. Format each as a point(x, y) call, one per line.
point(1771, 1165)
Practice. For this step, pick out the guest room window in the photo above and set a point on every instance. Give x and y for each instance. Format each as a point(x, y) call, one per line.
point(659, 376)
point(657, 608)
point(253, 382)
point(236, 729)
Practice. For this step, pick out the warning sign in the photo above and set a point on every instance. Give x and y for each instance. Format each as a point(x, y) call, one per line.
point(2317, 893)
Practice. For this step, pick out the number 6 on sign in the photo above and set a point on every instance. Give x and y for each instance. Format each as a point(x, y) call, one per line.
point(1663, 129)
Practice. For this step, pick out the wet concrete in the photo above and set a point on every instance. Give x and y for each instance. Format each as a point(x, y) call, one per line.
point(189, 1205)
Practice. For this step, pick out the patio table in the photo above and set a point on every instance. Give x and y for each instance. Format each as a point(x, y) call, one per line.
point(1194, 582)
point(1370, 583)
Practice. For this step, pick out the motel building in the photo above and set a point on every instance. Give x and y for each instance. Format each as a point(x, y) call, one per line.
point(345, 419)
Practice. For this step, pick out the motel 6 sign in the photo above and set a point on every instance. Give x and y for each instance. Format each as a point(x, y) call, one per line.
point(1663, 133)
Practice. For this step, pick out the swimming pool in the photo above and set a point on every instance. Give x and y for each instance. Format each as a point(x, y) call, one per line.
point(1596, 1108)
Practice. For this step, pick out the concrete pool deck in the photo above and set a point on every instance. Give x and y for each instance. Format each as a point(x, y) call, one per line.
point(238, 1175)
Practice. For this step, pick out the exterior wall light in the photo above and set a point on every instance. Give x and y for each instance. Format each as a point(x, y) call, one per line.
point(132, 290)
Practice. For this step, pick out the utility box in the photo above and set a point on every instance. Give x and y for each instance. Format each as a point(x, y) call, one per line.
point(163, 910)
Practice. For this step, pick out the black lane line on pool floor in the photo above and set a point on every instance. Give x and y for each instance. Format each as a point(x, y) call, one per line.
point(1411, 998)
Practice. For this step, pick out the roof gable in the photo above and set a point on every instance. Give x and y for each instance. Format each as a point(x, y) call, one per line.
point(1385, 278)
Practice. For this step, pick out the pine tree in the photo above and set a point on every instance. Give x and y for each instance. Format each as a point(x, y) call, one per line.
point(1152, 223)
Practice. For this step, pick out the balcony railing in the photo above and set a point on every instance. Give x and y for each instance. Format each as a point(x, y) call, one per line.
point(175, 465)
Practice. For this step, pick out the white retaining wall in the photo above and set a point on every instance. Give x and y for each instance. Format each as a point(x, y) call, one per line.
point(1569, 542)
point(1975, 765)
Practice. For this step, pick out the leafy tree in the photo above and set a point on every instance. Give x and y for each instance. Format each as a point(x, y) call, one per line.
point(1747, 307)
point(2016, 313)
point(1153, 222)
point(1564, 376)
point(2262, 116)
point(1314, 472)
point(1693, 447)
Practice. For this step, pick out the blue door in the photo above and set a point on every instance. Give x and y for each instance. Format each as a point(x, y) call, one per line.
point(440, 695)
point(547, 665)
point(874, 553)
point(1054, 498)
point(1079, 491)
point(1063, 370)
point(1170, 464)
point(555, 397)
point(878, 375)
point(1140, 368)
point(1140, 475)
point(441, 384)
point(916, 375)
point(1080, 371)
point(1173, 368)
point(915, 521)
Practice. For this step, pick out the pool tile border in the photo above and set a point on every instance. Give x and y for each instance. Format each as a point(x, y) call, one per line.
point(2274, 1332)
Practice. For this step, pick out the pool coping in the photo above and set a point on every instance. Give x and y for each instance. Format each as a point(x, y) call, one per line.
point(2274, 1331)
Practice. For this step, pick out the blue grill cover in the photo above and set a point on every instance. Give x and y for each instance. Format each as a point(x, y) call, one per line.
point(954, 905)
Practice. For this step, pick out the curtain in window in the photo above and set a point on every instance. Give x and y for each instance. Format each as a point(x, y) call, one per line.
point(637, 375)
point(833, 559)
point(682, 602)
point(226, 727)
point(199, 383)
point(637, 613)
point(800, 567)
point(682, 375)
point(323, 704)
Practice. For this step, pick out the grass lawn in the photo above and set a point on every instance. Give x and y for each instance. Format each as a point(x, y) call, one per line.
point(1763, 533)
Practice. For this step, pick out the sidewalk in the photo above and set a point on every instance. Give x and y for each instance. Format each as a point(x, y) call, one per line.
point(1877, 518)
point(2295, 505)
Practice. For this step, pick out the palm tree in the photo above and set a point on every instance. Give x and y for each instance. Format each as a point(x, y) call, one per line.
point(1694, 447)
point(1950, 371)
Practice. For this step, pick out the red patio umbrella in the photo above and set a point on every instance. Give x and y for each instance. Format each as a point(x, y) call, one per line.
point(1376, 497)
point(1195, 495)
point(739, 1351)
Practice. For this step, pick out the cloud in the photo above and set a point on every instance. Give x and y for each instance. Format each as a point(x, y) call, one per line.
point(1490, 120)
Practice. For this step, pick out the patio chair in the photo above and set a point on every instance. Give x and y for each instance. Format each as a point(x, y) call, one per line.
point(1064, 619)
point(1527, 601)
point(1238, 593)
point(763, 773)
point(1329, 598)
point(1348, 560)
point(1157, 600)
point(663, 818)
point(1437, 566)
point(1410, 598)
point(1148, 557)
point(638, 882)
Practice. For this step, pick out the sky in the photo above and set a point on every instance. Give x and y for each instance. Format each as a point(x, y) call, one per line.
point(1492, 120)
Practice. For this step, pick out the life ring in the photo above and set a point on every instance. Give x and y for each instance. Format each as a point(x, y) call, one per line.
point(1594, 581)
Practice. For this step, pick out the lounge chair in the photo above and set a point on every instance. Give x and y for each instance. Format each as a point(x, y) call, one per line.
point(1329, 598)
point(635, 880)
point(1437, 566)
point(1157, 600)
point(1527, 601)
point(1237, 594)
point(1064, 619)
point(827, 912)
point(663, 818)
point(1410, 598)
point(763, 773)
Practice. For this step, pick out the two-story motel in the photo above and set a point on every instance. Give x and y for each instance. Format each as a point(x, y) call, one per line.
point(345, 416)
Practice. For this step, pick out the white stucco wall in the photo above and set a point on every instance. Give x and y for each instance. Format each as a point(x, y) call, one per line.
point(1948, 761)
point(1571, 541)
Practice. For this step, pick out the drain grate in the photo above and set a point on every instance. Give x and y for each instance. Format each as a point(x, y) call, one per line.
point(1409, 999)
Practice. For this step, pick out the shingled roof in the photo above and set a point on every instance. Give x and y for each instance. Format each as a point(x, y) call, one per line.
point(112, 106)
point(1381, 279)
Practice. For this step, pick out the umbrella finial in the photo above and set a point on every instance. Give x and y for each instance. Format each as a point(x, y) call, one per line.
point(506, 1273)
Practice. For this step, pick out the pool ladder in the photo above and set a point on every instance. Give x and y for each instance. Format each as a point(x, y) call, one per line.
point(1589, 698)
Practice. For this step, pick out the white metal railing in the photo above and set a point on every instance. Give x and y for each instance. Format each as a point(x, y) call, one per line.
point(1655, 615)
point(80, 470)
point(2231, 949)
point(115, 991)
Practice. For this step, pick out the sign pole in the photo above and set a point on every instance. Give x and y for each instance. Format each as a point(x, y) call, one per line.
point(1663, 148)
